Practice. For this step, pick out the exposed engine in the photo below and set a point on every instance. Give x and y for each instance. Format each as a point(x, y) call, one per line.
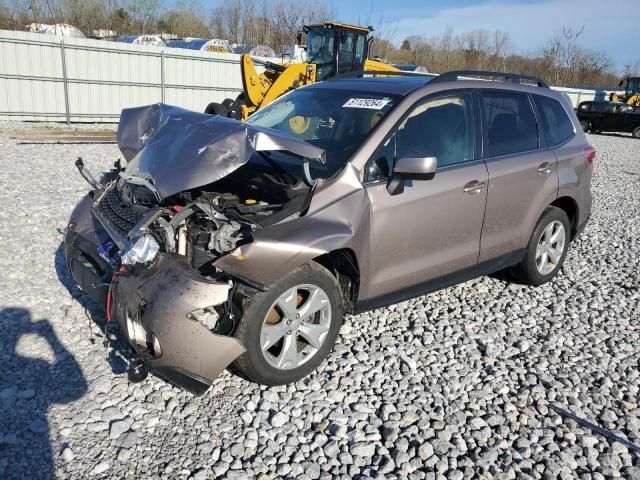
point(201, 224)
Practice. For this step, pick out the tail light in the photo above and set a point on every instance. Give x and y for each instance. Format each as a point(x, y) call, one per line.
point(589, 154)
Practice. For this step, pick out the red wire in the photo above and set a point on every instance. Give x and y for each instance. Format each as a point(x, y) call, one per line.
point(109, 305)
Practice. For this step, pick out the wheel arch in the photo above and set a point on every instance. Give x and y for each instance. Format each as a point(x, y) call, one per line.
point(570, 207)
point(343, 263)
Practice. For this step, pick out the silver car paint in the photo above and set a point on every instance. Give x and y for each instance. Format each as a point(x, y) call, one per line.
point(174, 149)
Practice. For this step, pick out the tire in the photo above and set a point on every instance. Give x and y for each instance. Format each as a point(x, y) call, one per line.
point(586, 125)
point(216, 109)
point(531, 270)
point(228, 103)
point(636, 132)
point(261, 312)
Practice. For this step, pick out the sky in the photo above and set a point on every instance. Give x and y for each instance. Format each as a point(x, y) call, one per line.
point(612, 27)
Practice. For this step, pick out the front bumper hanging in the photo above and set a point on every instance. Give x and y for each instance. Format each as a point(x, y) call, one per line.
point(153, 306)
point(153, 309)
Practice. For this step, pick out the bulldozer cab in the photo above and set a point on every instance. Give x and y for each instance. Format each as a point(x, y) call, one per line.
point(336, 48)
point(632, 87)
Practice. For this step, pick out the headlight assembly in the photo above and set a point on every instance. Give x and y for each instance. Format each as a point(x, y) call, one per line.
point(143, 251)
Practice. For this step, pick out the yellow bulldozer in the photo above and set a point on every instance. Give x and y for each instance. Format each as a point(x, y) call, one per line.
point(631, 95)
point(332, 49)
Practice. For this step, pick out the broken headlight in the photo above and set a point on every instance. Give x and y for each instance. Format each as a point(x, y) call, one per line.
point(143, 251)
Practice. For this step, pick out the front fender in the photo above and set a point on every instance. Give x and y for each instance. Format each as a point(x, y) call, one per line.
point(338, 217)
point(269, 258)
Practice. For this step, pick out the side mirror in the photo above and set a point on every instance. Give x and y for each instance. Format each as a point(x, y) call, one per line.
point(416, 168)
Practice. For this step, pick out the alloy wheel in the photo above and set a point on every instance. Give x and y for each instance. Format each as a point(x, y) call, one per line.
point(550, 247)
point(295, 326)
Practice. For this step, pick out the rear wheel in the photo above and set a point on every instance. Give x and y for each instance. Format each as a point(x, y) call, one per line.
point(586, 125)
point(636, 132)
point(215, 108)
point(290, 329)
point(547, 248)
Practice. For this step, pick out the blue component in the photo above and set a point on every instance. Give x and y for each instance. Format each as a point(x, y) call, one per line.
point(109, 252)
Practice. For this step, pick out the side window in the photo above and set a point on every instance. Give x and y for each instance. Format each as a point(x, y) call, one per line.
point(380, 166)
point(346, 52)
point(557, 125)
point(362, 39)
point(597, 107)
point(509, 122)
point(441, 127)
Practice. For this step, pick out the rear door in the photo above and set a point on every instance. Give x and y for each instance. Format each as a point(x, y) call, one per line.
point(523, 176)
point(574, 173)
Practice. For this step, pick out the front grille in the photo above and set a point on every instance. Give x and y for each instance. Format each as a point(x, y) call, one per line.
point(120, 216)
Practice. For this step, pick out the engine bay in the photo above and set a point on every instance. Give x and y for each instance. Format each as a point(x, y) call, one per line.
point(200, 224)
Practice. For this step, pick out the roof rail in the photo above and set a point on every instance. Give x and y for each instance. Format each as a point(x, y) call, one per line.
point(381, 73)
point(508, 77)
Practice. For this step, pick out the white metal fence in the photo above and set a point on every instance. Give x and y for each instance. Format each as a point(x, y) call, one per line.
point(48, 78)
point(44, 77)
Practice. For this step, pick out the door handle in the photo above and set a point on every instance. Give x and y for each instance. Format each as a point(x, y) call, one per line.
point(544, 168)
point(474, 187)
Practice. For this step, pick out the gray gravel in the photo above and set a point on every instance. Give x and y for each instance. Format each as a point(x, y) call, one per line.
point(455, 384)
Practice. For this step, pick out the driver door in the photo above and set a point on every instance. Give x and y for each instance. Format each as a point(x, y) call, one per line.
point(427, 236)
point(351, 50)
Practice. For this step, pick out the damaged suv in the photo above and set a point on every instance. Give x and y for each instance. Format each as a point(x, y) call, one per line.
point(222, 241)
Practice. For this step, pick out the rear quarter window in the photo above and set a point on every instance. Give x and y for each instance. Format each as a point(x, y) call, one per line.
point(557, 124)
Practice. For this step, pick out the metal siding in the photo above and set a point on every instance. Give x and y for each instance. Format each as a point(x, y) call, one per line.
point(105, 77)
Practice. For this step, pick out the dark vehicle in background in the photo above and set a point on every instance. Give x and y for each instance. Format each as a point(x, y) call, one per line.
point(599, 117)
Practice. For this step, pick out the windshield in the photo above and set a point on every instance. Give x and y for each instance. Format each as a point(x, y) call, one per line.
point(320, 51)
point(337, 121)
point(320, 46)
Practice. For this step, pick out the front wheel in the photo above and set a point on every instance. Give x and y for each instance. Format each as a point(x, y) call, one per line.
point(290, 329)
point(547, 248)
point(636, 132)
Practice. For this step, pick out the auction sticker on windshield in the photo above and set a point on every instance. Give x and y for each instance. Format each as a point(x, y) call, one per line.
point(370, 103)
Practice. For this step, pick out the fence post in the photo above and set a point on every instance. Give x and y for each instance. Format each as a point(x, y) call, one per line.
point(65, 82)
point(162, 76)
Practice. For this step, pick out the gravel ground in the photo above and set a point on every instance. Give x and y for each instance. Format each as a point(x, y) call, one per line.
point(455, 384)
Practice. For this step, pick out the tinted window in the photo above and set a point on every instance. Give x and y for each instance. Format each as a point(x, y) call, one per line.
point(510, 124)
point(613, 107)
point(442, 128)
point(557, 125)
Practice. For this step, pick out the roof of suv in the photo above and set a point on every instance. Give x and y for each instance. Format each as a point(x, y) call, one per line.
point(399, 85)
point(405, 84)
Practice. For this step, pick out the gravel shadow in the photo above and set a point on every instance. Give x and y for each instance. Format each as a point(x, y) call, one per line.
point(119, 352)
point(48, 374)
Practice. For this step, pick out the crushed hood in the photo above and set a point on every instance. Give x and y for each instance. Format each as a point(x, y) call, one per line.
point(172, 149)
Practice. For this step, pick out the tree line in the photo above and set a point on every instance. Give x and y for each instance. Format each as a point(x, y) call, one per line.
point(559, 61)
